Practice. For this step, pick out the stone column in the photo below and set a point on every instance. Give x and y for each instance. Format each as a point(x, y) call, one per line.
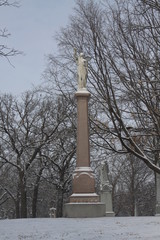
point(83, 177)
point(83, 152)
point(84, 202)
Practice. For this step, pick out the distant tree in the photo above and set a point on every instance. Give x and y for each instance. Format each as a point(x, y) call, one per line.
point(26, 128)
point(130, 180)
point(59, 155)
point(37, 147)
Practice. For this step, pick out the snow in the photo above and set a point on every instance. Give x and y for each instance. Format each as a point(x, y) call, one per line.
point(84, 195)
point(111, 228)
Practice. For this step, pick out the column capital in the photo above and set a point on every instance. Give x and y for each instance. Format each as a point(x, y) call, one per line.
point(82, 93)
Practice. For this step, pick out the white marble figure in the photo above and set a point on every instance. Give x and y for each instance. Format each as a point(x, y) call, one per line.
point(82, 64)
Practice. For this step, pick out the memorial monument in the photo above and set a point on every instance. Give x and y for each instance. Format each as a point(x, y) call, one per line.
point(84, 202)
point(106, 189)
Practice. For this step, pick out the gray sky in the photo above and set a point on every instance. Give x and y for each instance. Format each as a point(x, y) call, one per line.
point(32, 27)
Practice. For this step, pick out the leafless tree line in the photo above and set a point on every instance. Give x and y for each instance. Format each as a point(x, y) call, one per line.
point(122, 39)
point(123, 43)
point(37, 158)
point(37, 144)
point(38, 134)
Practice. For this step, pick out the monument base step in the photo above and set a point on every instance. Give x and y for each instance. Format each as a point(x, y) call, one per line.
point(84, 198)
point(157, 209)
point(110, 214)
point(84, 210)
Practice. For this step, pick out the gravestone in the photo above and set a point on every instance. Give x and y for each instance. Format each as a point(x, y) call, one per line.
point(106, 189)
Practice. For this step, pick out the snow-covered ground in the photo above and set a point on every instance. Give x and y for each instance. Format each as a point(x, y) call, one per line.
point(123, 228)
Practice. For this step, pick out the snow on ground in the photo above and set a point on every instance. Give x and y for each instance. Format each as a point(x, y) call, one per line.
point(111, 228)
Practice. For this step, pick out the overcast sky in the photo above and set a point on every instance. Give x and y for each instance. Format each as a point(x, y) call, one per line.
point(32, 27)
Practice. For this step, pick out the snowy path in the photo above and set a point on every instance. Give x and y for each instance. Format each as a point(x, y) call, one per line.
point(116, 228)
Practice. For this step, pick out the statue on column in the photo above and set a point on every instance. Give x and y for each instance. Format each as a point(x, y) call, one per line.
point(82, 64)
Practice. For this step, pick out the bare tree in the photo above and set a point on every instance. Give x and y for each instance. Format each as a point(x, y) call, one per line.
point(133, 177)
point(122, 41)
point(8, 3)
point(26, 128)
point(60, 154)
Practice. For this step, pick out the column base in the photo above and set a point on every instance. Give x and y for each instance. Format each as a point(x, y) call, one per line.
point(110, 214)
point(84, 197)
point(106, 198)
point(83, 181)
point(84, 210)
point(157, 209)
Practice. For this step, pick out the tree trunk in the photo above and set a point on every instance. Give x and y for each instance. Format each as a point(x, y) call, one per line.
point(17, 204)
point(157, 175)
point(17, 209)
point(34, 202)
point(23, 195)
point(133, 206)
point(35, 194)
point(59, 207)
point(132, 198)
point(23, 203)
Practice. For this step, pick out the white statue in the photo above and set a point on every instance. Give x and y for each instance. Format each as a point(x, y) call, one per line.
point(82, 64)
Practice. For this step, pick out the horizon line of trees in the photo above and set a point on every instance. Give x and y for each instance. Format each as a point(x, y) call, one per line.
point(38, 133)
point(37, 159)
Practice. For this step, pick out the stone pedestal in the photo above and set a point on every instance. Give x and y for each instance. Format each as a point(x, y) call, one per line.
point(84, 202)
point(106, 190)
point(106, 198)
point(84, 210)
point(84, 186)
